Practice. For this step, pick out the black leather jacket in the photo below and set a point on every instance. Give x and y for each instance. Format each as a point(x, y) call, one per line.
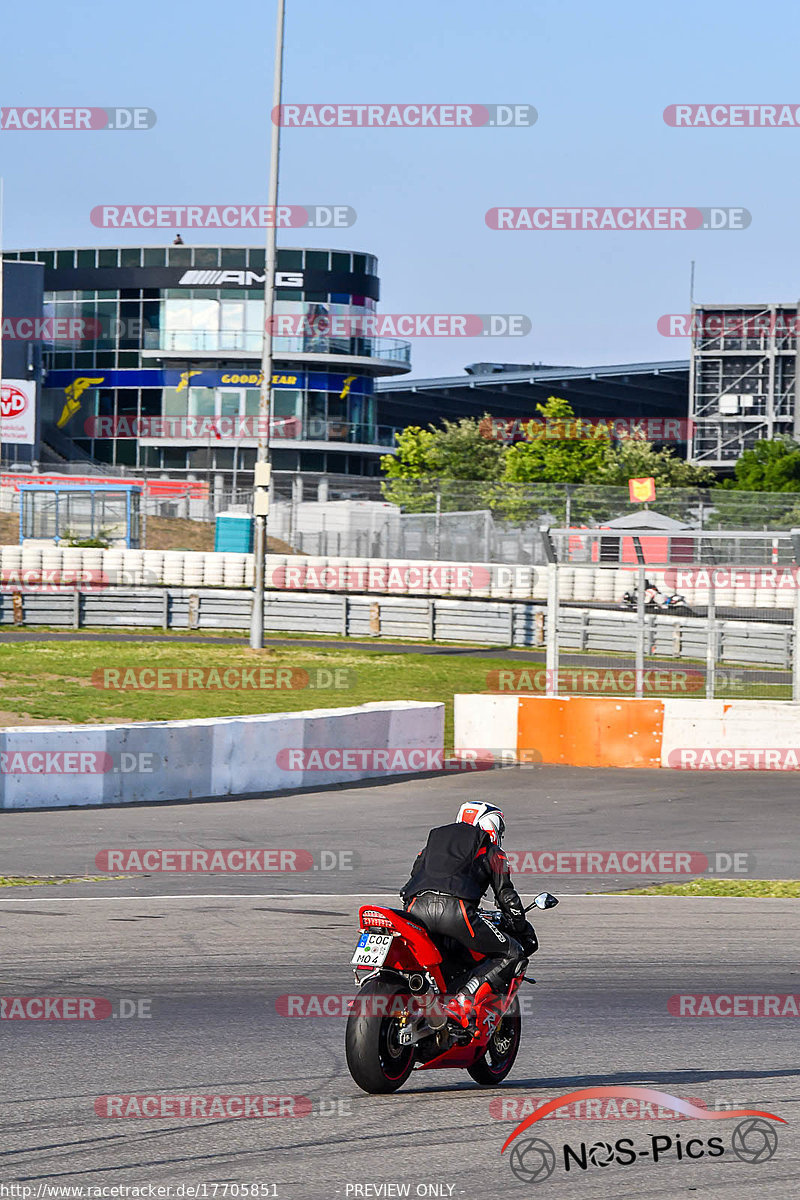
point(461, 860)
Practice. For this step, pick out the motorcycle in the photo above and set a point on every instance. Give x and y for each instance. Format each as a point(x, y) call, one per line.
point(398, 1022)
point(654, 600)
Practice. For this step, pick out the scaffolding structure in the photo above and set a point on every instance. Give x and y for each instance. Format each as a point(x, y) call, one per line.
point(743, 375)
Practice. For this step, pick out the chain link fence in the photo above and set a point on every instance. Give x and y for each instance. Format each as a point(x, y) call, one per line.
point(728, 634)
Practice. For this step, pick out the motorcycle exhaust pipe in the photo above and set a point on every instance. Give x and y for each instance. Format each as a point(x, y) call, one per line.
point(416, 982)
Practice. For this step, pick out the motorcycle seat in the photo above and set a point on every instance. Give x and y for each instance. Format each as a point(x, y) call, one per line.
point(412, 920)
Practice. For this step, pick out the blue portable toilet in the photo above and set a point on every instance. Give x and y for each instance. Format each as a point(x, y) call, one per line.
point(234, 533)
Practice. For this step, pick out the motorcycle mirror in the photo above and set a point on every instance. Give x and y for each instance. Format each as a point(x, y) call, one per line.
point(546, 900)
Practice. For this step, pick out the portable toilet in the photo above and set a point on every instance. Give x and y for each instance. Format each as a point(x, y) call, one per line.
point(233, 533)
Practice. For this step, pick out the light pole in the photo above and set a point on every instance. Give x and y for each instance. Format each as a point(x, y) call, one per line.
point(262, 466)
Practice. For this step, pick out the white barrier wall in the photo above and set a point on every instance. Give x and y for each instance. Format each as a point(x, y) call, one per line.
point(78, 765)
point(727, 734)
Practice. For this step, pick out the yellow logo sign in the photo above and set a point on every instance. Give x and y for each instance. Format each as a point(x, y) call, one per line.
point(185, 377)
point(73, 393)
point(642, 490)
point(347, 383)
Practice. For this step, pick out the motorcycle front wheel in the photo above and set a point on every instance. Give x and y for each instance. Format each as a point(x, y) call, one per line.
point(501, 1052)
point(375, 1058)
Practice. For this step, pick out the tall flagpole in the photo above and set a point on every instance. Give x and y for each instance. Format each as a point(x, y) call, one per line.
point(262, 466)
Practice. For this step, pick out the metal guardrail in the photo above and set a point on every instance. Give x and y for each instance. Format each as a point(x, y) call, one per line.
point(586, 636)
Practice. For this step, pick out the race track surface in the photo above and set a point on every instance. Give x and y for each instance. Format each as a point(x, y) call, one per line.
point(203, 960)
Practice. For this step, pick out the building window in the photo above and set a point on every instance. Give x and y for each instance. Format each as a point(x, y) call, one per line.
point(86, 258)
point(130, 257)
point(206, 256)
point(180, 256)
point(106, 258)
point(233, 258)
point(290, 260)
point(155, 256)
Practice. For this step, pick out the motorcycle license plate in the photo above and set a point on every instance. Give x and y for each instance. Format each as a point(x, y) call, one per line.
point(371, 950)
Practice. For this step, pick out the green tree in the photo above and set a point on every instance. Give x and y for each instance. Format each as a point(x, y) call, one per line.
point(560, 448)
point(456, 459)
point(772, 465)
point(635, 459)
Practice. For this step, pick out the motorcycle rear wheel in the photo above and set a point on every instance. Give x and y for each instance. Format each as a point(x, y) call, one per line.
point(501, 1052)
point(375, 1059)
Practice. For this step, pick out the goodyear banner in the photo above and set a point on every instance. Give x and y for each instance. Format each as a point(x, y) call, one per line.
point(156, 377)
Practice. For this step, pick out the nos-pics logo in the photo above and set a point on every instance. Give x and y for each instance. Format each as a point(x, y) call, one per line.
point(532, 1160)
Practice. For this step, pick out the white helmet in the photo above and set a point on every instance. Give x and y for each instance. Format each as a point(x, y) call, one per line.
point(486, 816)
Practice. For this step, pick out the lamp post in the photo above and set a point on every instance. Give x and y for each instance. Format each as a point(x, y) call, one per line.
point(262, 466)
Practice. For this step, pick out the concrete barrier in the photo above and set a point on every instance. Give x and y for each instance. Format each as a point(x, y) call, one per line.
point(63, 766)
point(584, 731)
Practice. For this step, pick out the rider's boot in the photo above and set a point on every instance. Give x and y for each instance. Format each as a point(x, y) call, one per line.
point(462, 1007)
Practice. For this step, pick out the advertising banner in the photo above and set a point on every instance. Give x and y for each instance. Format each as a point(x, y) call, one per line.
point(18, 412)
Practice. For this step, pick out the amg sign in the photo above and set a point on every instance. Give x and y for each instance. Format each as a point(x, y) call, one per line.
point(211, 278)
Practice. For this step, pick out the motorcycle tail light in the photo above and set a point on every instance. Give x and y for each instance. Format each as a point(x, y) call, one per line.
point(372, 919)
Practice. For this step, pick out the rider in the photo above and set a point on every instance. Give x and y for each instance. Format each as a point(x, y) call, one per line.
point(448, 879)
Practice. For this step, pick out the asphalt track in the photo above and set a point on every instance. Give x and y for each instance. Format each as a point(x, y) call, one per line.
point(212, 954)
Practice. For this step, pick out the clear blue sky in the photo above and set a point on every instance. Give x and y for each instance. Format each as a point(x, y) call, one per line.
point(599, 75)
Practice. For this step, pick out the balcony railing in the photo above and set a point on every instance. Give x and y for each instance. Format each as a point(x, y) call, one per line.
point(193, 341)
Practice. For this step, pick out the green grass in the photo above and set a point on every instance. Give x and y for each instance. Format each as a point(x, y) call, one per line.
point(9, 881)
point(759, 889)
point(53, 680)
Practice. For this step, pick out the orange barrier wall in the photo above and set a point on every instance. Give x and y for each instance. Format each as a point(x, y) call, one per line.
point(584, 731)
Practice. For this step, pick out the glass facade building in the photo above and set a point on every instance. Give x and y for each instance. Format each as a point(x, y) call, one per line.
point(156, 355)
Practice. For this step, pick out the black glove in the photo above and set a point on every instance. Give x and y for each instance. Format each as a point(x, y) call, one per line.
point(528, 939)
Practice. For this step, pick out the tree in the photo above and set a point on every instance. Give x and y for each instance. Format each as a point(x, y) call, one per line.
point(560, 448)
point(447, 459)
point(635, 459)
point(772, 465)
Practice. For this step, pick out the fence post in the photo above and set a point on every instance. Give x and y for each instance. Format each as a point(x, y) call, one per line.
point(796, 651)
point(437, 523)
point(551, 653)
point(640, 624)
point(711, 642)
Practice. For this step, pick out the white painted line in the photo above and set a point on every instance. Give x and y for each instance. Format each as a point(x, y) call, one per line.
point(366, 897)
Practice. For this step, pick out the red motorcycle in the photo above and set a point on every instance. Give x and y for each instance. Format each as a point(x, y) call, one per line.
point(398, 1022)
